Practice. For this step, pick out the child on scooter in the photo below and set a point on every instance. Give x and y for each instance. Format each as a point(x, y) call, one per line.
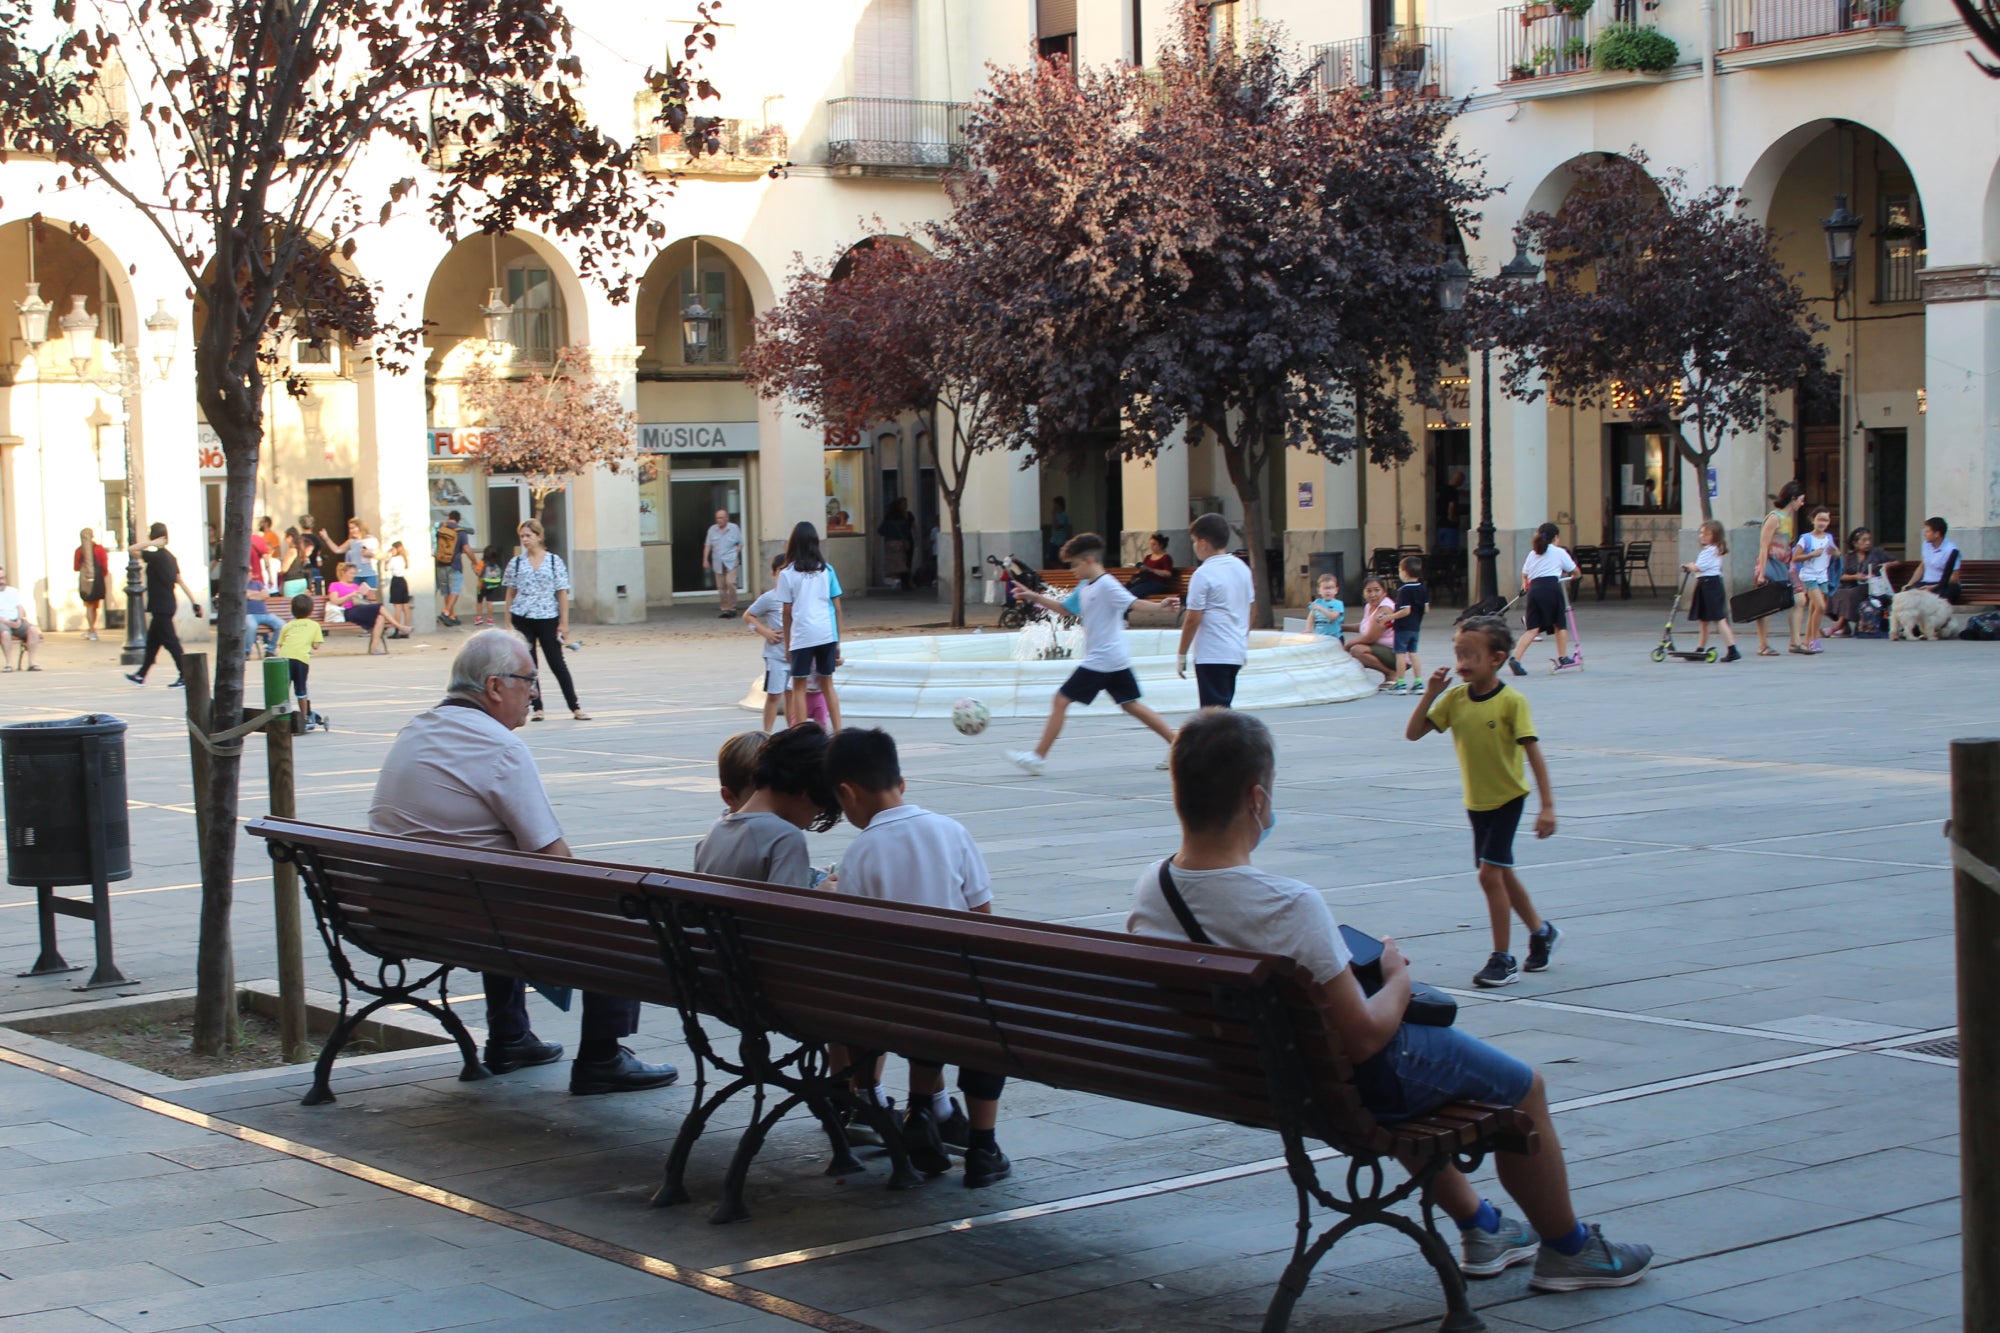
point(1711, 603)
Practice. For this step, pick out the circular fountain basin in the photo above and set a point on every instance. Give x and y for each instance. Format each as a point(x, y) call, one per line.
point(924, 675)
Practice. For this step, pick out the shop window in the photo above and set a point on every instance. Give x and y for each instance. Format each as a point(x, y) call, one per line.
point(715, 296)
point(1645, 476)
point(845, 469)
point(536, 327)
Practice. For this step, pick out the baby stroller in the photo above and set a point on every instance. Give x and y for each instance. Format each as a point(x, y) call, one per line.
point(1017, 612)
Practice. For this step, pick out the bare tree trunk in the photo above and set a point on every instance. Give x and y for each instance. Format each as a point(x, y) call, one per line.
point(952, 500)
point(1243, 472)
point(215, 1016)
point(1699, 456)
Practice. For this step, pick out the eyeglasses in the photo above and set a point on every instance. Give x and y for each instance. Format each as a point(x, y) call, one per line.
point(532, 680)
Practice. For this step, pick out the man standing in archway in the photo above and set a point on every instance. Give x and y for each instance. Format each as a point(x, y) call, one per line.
point(723, 552)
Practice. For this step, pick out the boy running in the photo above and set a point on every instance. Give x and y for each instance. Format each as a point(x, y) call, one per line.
point(1492, 728)
point(908, 854)
point(1102, 604)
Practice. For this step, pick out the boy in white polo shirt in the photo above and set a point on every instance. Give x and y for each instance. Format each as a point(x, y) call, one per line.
point(1219, 596)
point(911, 855)
point(1101, 603)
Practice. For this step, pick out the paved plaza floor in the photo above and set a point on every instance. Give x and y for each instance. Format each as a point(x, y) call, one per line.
point(1749, 873)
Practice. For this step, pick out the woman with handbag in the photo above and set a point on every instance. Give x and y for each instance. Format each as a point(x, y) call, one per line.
point(1224, 772)
point(1864, 580)
point(1774, 565)
point(538, 607)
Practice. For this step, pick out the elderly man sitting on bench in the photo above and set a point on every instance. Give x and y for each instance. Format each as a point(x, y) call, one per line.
point(457, 773)
point(1225, 774)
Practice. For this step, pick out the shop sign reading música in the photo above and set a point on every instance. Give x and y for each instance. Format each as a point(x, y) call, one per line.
point(704, 437)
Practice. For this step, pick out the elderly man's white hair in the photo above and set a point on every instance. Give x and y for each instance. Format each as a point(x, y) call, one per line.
point(491, 652)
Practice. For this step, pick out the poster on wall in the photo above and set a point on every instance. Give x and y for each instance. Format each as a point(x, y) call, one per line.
point(449, 491)
point(652, 501)
point(844, 472)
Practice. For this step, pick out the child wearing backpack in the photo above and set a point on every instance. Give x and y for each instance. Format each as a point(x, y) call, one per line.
point(492, 587)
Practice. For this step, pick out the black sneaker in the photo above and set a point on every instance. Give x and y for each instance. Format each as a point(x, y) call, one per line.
point(135, 678)
point(1540, 945)
point(986, 1166)
point(859, 1131)
point(1732, 655)
point(955, 1130)
point(1514, 665)
point(921, 1141)
point(177, 684)
point(1500, 970)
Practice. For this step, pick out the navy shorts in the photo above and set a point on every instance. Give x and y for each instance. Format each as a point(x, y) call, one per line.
point(1406, 639)
point(1085, 685)
point(1215, 684)
point(1423, 1068)
point(814, 661)
point(1493, 833)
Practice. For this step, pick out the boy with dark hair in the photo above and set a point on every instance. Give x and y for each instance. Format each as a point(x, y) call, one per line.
point(908, 854)
point(1412, 600)
point(1225, 770)
point(1217, 626)
point(1937, 567)
point(760, 839)
point(1102, 604)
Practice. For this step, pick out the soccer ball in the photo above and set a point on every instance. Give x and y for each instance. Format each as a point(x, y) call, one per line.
point(969, 716)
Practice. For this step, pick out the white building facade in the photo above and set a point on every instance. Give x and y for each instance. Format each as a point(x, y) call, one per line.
point(1793, 101)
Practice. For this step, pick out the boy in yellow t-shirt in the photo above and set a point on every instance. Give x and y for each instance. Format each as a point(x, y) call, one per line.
point(1493, 730)
point(296, 642)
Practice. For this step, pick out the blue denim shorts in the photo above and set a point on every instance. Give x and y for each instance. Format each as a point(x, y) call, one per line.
point(1423, 1068)
point(1406, 639)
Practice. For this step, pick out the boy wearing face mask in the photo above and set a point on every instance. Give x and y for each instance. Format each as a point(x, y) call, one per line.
point(1493, 731)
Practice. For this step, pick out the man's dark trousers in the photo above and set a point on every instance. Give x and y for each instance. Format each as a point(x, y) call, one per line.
point(160, 633)
point(604, 1016)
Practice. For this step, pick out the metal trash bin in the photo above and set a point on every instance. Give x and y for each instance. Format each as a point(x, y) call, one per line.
point(67, 824)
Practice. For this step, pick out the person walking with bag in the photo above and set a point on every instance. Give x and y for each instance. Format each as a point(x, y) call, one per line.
point(92, 574)
point(538, 607)
point(1774, 561)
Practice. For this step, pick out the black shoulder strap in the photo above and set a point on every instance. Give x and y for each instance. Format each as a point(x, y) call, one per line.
point(1182, 912)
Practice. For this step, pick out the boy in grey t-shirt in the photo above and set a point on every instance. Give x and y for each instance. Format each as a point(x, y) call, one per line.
point(761, 840)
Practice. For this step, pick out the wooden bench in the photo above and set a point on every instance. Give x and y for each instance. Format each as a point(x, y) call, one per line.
point(280, 607)
point(1222, 1034)
point(1978, 582)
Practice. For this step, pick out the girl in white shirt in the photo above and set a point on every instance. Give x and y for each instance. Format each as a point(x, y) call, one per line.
point(1542, 575)
point(1813, 559)
point(1710, 606)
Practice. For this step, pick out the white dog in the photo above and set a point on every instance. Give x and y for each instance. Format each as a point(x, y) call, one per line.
point(1920, 614)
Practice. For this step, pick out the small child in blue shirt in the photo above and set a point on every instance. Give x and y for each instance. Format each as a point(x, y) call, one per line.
point(1327, 611)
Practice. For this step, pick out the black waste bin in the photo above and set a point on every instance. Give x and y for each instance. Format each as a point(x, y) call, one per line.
point(67, 824)
point(65, 794)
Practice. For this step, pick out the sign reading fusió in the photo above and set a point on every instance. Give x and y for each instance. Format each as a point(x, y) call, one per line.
point(702, 437)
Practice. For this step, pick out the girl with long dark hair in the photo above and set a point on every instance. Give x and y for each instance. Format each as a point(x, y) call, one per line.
point(811, 625)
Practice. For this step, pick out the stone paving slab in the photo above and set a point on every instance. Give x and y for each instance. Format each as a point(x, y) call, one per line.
point(1716, 918)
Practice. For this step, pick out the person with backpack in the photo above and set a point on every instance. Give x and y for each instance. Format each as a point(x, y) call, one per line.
point(453, 546)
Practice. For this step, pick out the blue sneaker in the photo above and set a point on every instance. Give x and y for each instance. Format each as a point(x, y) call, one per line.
point(1491, 1253)
point(1600, 1263)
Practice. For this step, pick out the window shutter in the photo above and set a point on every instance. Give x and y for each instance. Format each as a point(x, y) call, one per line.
point(885, 51)
point(1055, 18)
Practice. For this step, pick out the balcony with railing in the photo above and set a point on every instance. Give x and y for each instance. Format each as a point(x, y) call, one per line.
point(1769, 32)
point(1550, 49)
point(722, 148)
point(1407, 62)
point(889, 136)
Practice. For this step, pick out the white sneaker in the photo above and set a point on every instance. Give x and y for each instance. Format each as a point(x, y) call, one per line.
point(1165, 765)
point(1028, 762)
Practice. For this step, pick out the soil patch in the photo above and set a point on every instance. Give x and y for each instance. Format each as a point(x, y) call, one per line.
point(158, 1037)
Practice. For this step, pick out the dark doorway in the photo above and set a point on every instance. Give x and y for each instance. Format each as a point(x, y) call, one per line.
point(1887, 499)
point(331, 504)
point(926, 563)
point(1816, 460)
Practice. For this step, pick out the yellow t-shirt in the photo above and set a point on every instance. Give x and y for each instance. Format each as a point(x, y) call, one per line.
point(298, 639)
point(1489, 734)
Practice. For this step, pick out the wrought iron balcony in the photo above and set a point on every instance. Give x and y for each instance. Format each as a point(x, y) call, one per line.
point(1747, 23)
point(1403, 61)
point(895, 135)
point(1538, 39)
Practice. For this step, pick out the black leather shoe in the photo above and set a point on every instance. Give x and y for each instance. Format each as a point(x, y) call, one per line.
point(623, 1072)
point(504, 1057)
point(985, 1166)
point(921, 1141)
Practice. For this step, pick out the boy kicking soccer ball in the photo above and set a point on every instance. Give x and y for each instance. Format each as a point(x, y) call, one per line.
point(1101, 603)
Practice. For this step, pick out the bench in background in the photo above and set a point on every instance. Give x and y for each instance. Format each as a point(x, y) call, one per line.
point(1978, 581)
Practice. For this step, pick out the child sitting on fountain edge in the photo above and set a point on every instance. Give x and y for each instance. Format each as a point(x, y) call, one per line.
point(1102, 604)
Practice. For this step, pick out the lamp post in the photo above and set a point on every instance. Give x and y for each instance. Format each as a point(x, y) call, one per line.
point(695, 317)
point(1840, 227)
point(1454, 285)
point(126, 380)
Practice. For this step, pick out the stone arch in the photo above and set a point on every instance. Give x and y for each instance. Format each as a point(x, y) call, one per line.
point(59, 254)
point(459, 282)
point(743, 290)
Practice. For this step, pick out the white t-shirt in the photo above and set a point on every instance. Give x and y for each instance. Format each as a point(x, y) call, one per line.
point(1936, 558)
point(455, 774)
point(1707, 561)
point(908, 854)
point(397, 566)
point(362, 554)
point(769, 612)
point(1550, 564)
point(1814, 568)
point(1244, 908)
point(1101, 605)
point(10, 603)
point(811, 600)
point(1222, 590)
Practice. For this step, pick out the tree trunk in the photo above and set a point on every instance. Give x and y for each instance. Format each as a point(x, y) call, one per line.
point(1243, 475)
point(1699, 457)
point(952, 499)
point(215, 1017)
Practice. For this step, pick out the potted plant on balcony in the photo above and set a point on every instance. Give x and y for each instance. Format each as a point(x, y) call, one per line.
point(1576, 53)
point(1625, 46)
point(1521, 69)
point(1573, 9)
point(1544, 59)
point(1538, 10)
